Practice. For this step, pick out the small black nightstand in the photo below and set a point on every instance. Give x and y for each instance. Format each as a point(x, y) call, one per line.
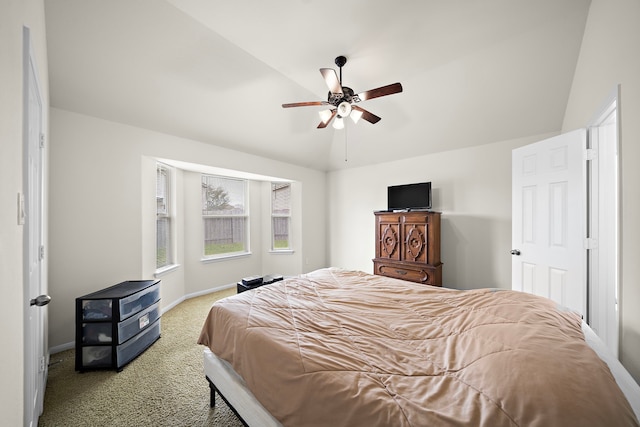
point(245, 285)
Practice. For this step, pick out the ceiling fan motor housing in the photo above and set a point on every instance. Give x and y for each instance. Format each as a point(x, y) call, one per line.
point(347, 95)
point(342, 100)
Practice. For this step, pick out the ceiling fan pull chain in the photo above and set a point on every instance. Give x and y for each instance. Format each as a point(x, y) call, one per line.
point(345, 143)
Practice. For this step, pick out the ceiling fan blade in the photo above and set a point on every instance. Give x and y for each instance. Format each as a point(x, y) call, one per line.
point(381, 91)
point(305, 104)
point(323, 124)
point(366, 115)
point(331, 79)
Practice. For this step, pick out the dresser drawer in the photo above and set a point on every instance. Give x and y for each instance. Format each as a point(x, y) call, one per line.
point(428, 275)
point(97, 309)
point(139, 301)
point(128, 351)
point(138, 322)
point(96, 356)
point(97, 333)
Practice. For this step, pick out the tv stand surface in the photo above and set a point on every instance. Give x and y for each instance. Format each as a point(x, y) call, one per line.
point(404, 210)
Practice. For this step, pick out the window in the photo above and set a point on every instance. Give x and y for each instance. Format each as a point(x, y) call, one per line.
point(225, 215)
point(164, 243)
point(280, 216)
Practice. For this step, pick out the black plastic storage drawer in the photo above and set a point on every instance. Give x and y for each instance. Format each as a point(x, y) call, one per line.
point(96, 356)
point(136, 345)
point(138, 322)
point(97, 333)
point(136, 302)
point(97, 309)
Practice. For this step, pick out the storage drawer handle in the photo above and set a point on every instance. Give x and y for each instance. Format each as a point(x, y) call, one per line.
point(403, 272)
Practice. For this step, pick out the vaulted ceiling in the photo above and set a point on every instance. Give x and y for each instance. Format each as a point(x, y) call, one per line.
point(473, 71)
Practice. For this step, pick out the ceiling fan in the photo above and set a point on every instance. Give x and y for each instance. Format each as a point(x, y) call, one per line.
point(342, 100)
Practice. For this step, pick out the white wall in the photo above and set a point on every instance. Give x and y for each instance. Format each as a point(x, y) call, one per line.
point(610, 56)
point(103, 214)
point(14, 14)
point(472, 189)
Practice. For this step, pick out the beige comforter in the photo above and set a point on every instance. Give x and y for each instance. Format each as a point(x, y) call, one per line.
point(340, 348)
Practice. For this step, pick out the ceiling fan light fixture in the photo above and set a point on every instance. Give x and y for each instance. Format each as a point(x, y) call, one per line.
point(344, 109)
point(355, 116)
point(338, 123)
point(325, 115)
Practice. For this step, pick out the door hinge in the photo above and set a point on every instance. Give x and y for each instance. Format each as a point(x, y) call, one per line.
point(590, 154)
point(590, 243)
point(42, 140)
point(43, 364)
point(41, 253)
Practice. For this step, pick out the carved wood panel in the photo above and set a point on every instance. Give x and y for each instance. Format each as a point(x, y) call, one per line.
point(389, 244)
point(415, 242)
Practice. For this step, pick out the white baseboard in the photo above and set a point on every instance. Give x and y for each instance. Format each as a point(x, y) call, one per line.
point(62, 347)
point(72, 344)
point(173, 304)
point(210, 291)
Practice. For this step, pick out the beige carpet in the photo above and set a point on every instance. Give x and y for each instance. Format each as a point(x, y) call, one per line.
point(165, 386)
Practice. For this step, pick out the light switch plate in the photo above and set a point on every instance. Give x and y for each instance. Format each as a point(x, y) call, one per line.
point(21, 213)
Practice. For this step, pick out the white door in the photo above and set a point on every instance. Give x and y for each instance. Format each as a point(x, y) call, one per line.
point(36, 352)
point(548, 219)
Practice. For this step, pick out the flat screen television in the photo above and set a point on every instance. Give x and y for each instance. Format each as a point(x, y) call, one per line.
point(409, 196)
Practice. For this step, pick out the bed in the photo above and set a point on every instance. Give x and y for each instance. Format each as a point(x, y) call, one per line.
point(345, 348)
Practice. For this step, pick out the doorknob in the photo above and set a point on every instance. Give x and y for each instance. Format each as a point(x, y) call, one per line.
point(41, 300)
point(515, 252)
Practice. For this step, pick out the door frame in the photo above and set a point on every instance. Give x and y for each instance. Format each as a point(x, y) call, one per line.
point(596, 290)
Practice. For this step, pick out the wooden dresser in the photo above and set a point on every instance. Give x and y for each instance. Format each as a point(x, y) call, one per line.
point(408, 246)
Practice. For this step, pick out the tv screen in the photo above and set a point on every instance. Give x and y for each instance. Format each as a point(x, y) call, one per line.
point(409, 196)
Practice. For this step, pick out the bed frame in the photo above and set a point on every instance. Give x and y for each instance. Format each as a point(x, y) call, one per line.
point(224, 381)
point(212, 400)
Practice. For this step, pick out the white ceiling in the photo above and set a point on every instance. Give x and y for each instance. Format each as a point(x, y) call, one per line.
point(473, 71)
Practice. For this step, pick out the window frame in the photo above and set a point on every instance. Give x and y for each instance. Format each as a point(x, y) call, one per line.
point(168, 215)
point(245, 216)
point(273, 216)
